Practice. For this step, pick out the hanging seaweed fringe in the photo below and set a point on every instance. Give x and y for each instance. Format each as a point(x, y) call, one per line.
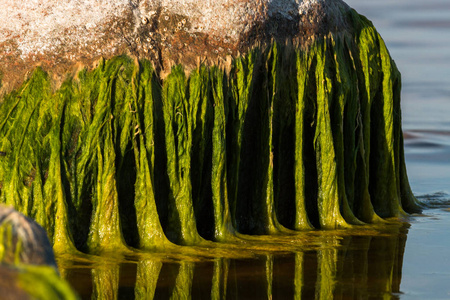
point(288, 139)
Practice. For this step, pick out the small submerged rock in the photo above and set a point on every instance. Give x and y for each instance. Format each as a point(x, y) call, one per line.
point(23, 241)
point(27, 265)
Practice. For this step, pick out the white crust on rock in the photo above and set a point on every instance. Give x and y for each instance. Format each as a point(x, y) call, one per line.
point(62, 35)
point(41, 26)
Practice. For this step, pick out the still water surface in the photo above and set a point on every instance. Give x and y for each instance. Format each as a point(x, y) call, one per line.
point(409, 260)
point(417, 34)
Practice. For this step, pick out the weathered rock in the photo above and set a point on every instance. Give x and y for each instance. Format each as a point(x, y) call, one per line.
point(22, 240)
point(62, 35)
point(27, 264)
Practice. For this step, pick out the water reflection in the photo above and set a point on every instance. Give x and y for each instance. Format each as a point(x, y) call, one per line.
point(344, 267)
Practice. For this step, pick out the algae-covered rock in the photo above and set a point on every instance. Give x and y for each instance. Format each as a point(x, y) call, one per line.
point(27, 264)
point(147, 123)
point(23, 240)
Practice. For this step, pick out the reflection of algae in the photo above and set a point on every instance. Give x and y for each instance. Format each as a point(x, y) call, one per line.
point(183, 282)
point(287, 140)
point(220, 279)
point(327, 273)
point(343, 267)
point(269, 275)
point(105, 281)
point(147, 278)
point(298, 275)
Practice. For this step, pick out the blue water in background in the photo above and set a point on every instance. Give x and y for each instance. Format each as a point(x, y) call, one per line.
point(417, 34)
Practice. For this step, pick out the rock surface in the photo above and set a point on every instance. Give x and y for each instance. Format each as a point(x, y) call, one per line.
point(27, 264)
point(61, 35)
point(23, 240)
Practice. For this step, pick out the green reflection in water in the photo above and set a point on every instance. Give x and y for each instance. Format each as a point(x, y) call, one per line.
point(147, 278)
point(220, 279)
point(298, 275)
point(361, 265)
point(105, 281)
point(183, 283)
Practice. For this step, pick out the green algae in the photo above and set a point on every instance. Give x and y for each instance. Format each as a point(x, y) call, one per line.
point(180, 118)
point(289, 139)
point(223, 220)
point(302, 172)
point(148, 223)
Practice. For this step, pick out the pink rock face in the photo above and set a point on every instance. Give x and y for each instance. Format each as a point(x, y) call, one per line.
point(62, 34)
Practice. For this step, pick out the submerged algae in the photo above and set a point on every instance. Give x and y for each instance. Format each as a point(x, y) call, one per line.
point(27, 264)
point(288, 139)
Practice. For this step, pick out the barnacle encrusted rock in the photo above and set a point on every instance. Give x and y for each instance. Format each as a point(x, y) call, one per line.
point(158, 122)
point(63, 35)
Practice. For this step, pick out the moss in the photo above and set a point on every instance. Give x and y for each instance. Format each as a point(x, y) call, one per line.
point(288, 139)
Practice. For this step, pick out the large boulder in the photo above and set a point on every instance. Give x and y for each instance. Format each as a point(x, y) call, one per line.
point(146, 123)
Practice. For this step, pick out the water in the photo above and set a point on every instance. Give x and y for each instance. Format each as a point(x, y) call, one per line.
point(346, 264)
point(418, 37)
point(397, 261)
point(417, 34)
